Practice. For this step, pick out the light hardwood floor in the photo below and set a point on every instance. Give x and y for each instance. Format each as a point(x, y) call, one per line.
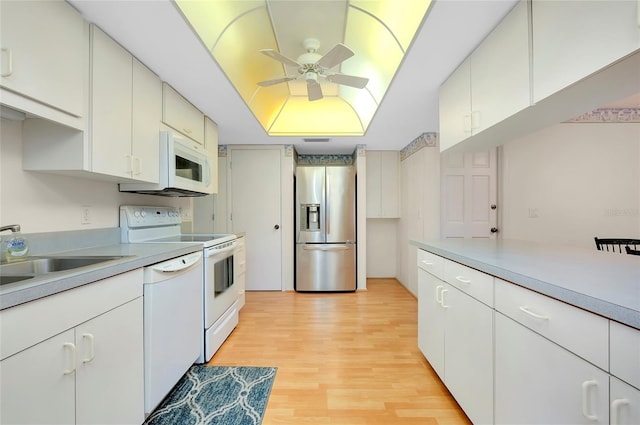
point(342, 358)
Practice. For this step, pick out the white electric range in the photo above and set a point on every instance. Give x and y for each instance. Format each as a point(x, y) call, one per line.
point(148, 224)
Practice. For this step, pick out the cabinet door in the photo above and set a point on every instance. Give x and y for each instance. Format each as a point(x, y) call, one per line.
point(389, 184)
point(573, 39)
point(37, 385)
point(43, 53)
point(431, 318)
point(455, 107)
point(374, 178)
point(468, 354)
point(110, 367)
point(182, 115)
point(211, 146)
point(625, 403)
point(539, 382)
point(500, 71)
point(147, 114)
point(111, 82)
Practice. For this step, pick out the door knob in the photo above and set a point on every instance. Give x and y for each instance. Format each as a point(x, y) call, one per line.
point(277, 226)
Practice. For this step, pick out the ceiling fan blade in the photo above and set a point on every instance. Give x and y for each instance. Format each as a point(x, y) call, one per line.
point(268, 83)
point(336, 55)
point(314, 91)
point(348, 80)
point(279, 57)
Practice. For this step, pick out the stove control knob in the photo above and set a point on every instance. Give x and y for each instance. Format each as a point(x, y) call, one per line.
point(143, 213)
point(136, 213)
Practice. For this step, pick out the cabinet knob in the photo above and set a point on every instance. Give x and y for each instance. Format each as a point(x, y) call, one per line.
point(494, 230)
point(277, 226)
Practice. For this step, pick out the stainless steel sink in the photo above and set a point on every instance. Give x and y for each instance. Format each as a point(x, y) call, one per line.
point(37, 266)
point(5, 280)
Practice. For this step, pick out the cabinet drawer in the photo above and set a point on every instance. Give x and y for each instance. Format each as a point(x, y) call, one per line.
point(580, 332)
point(431, 263)
point(178, 113)
point(625, 353)
point(27, 324)
point(473, 282)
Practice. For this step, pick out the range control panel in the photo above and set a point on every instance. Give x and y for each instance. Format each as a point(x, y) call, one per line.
point(136, 216)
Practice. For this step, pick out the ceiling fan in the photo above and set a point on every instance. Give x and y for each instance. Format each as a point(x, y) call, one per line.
point(313, 67)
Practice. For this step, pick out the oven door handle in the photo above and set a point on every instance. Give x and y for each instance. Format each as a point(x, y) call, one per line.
point(213, 252)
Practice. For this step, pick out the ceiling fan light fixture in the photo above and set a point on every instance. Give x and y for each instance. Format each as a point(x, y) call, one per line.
point(311, 77)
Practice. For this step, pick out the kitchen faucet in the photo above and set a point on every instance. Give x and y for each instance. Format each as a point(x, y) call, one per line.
point(13, 227)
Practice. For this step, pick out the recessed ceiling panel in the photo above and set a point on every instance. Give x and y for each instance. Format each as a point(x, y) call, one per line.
point(378, 32)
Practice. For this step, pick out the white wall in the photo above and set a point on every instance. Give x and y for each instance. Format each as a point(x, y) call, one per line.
point(571, 182)
point(420, 210)
point(381, 247)
point(42, 202)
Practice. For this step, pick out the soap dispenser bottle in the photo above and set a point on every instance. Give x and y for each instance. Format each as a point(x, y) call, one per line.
point(16, 247)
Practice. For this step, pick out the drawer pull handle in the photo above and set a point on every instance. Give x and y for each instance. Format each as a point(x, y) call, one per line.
point(526, 310)
point(615, 408)
point(426, 263)
point(462, 279)
point(72, 349)
point(586, 403)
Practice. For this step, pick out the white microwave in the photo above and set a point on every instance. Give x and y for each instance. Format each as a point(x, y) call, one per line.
point(185, 169)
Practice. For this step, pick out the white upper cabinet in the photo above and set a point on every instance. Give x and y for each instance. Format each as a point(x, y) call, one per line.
point(111, 82)
point(43, 59)
point(121, 141)
point(573, 39)
point(383, 187)
point(500, 77)
point(492, 84)
point(181, 115)
point(146, 117)
point(455, 107)
point(211, 146)
point(126, 102)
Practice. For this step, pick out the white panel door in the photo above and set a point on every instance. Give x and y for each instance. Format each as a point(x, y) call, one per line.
point(468, 191)
point(256, 211)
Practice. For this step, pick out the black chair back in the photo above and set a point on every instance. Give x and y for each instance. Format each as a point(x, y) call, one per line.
point(632, 251)
point(617, 245)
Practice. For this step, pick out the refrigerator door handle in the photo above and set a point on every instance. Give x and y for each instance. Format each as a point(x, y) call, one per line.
point(325, 248)
point(327, 213)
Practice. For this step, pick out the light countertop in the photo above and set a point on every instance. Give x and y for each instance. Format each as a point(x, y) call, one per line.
point(604, 283)
point(135, 256)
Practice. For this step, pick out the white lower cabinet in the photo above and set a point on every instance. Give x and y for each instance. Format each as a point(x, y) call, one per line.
point(539, 382)
point(92, 374)
point(76, 356)
point(431, 317)
point(455, 333)
point(625, 403)
point(39, 377)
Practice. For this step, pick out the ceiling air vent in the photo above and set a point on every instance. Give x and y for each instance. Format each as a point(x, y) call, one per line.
point(316, 139)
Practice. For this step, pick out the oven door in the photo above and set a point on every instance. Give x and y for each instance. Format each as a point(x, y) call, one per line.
point(220, 290)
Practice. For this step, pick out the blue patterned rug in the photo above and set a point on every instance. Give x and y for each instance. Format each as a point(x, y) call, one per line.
point(217, 395)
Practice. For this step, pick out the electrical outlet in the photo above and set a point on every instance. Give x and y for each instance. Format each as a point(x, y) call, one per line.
point(85, 217)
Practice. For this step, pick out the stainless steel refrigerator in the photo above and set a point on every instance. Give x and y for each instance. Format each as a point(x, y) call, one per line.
point(325, 228)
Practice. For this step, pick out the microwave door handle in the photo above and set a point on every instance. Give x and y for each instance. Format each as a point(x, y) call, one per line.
point(207, 179)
